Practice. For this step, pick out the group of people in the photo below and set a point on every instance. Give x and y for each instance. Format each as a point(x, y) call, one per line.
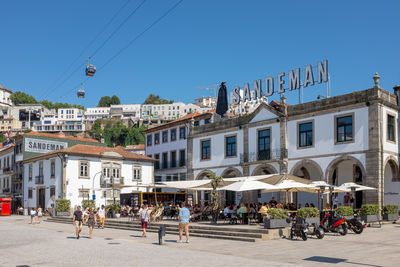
point(88, 217)
point(36, 213)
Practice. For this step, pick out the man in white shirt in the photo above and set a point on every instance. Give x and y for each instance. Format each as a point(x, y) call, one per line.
point(102, 216)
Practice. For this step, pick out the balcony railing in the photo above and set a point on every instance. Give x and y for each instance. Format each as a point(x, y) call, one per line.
point(108, 182)
point(6, 190)
point(8, 169)
point(39, 179)
point(276, 154)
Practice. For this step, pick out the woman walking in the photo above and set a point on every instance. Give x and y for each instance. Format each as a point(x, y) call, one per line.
point(33, 214)
point(145, 215)
point(39, 214)
point(91, 221)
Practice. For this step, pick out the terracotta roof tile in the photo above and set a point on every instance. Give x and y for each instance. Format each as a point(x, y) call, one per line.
point(90, 150)
point(61, 135)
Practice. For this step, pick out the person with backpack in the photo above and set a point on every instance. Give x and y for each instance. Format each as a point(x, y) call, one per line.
point(145, 215)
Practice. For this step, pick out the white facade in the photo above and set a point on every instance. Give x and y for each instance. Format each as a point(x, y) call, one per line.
point(5, 94)
point(92, 114)
point(128, 111)
point(209, 102)
point(331, 140)
point(7, 165)
point(83, 175)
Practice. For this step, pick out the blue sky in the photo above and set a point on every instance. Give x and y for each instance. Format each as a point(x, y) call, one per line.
point(198, 44)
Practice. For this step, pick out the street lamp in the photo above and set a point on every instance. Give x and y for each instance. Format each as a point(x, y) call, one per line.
point(93, 192)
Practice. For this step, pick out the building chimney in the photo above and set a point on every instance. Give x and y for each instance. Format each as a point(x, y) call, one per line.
point(396, 90)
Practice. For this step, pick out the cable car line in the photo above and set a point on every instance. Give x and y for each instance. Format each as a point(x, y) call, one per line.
point(55, 86)
point(132, 41)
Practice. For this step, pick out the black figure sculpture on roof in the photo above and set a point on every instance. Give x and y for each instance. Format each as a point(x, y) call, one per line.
point(222, 101)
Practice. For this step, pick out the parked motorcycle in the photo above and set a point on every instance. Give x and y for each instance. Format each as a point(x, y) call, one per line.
point(299, 228)
point(332, 223)
point(355, 224)
point(318, 231)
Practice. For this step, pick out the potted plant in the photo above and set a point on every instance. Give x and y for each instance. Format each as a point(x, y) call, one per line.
point(369, 213)
point(345, 211)
point(390, 212)
point(88, 204)
point(276, 218)
point(311, 215)
point(63, 207)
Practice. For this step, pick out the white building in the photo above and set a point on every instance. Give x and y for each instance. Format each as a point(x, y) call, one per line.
point(97, 113)
point(163, 112)
point(126, 112)
point(5, 94)
point(7, 165)
point(348, 138)
point(167, 144)
point(66, 120)
point(78, 172)
point(208, 102)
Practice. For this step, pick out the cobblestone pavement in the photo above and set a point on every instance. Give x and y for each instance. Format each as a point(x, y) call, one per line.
point(53, 244)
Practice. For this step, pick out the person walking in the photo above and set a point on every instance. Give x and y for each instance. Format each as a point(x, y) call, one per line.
point(39, 214)
point(90, 220)
point(102, 216)
point(77, 221)
point(145, 215)
point(33, 215)
point(183, 217)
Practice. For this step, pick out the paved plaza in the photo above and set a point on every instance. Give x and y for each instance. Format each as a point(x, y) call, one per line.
point(53, 244)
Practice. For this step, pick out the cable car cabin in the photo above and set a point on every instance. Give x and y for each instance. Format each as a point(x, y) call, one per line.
point(90, 70)
point(81, 93)
point(140, 198)
point(5, 206)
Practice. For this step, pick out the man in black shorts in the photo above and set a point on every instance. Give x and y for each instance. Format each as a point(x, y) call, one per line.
point(77, 221)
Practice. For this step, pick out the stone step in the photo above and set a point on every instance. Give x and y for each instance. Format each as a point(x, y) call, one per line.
point(226, 236)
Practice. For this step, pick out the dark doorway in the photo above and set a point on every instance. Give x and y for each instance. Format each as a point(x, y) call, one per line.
point(230, 197)
point(41, 198)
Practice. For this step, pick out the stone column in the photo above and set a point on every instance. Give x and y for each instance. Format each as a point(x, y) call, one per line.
point(283, 139)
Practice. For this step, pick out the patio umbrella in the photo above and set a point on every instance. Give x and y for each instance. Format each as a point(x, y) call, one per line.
point(247, 185)
point(347, 187)
point(277, 178)
point(287, 186)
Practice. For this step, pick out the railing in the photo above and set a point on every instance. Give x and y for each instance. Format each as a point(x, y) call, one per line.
point(39, 179)
point(276, 154)
point(107, 181)
point(8, 169)
point(6, 190)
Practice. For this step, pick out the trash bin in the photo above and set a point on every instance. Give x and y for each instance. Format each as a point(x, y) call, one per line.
point(161, 233)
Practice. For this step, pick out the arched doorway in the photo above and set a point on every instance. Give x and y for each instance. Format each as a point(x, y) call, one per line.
point(347, 169)
point(391, 181)
point(203, 197)
point(230, 196)
point(310, 170)
point(264, 169)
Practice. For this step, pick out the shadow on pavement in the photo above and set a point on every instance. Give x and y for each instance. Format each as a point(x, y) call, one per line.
point(336, 261)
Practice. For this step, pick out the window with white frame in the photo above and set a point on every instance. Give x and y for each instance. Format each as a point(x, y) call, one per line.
point(106, 170)
point(111, 169)
point(52, 168)
point(116, 170)
point(83, 169)
point(137, 172)
point(41, 169)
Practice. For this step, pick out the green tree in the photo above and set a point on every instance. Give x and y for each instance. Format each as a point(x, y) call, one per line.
point(118, 134)
point(22, 98)
point(105, 101)
point(215, 182)
point(155, 99)
point(3, 138)
point(115, 100)
point(96, 130)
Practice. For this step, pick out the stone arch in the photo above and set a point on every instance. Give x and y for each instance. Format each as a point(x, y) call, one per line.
point(334, 163)
point(311, 167)
point(394, 166)
point(264, 169)
point(203, 174)
point(231, 173)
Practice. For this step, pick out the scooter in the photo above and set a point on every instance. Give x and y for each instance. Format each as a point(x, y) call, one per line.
point(299, 228)
point(330, 222)
point(355, 224)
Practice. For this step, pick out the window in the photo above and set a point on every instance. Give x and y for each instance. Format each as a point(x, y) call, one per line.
point(206, 149)
point(344, 129)
point(165, 136)
point(165, 160)
point(182, 158)
point(391, 128)
point(52, 168)
point(30, 193)
point(156, 138)
point(41, 169)
point(137, 172)
point(182, 177)
point(196, 123)
point(83, 169)
point(106, 170)
point(116, 170)
point(173, 159)
point(168, 178)
point(30, 172)
point(264, 143)
point(84, 193)
point(182, 133)
point(230, 146)
point(305, 134)
point(175, 177)
point(52, 191)
point(207, 121)
point(157, 163)
point(173, 134)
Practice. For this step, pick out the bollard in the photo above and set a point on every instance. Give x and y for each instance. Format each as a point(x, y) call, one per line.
point(161, 233)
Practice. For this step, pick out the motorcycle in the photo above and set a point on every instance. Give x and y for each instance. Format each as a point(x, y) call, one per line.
point(299, 228)
point(355, 224)
point(330, 222)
